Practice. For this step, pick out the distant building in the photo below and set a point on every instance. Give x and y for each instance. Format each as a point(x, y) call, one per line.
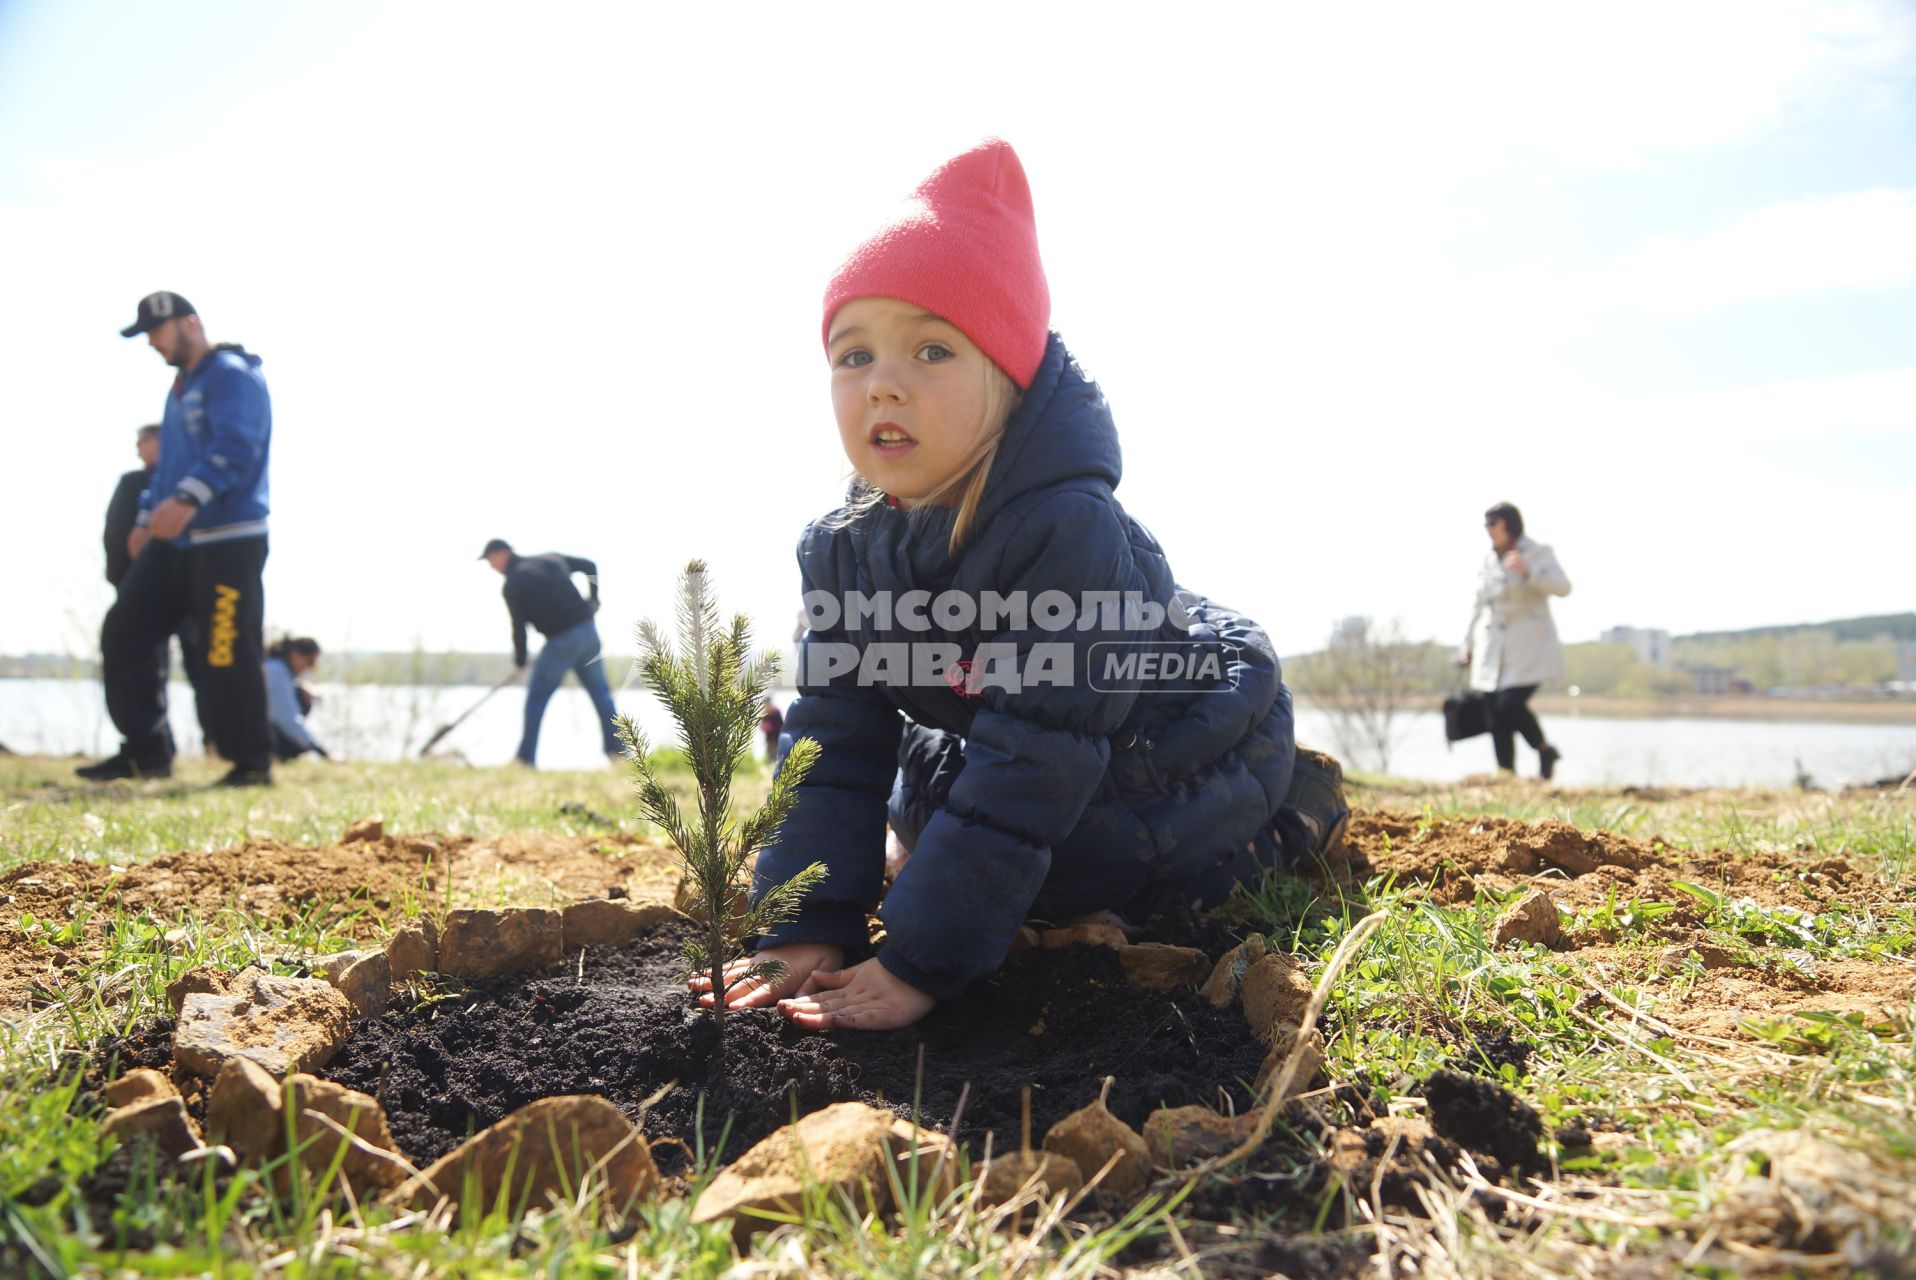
point(1713, 682)
point(1351, 632)
point(1652, 646)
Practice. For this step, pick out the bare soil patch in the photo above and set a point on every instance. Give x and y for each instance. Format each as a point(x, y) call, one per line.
point(356, 888)
point(1590, 872)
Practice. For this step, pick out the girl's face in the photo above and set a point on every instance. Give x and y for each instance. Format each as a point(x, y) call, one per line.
point(912, 395)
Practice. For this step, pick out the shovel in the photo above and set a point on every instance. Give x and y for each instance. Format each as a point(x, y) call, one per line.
point(445, 729)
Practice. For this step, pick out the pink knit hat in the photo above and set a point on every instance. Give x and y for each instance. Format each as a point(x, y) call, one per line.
point(967, 251)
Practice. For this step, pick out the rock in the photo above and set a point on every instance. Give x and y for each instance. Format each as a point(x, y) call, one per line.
point(685, 901)
point(1084, 935)
point(367, 982)
point(413, 949)
point(372, 1161)
point(1024, 940)
point(1090, 1136)
point(372, 828)
point(331, 966)
point(1225, 980)
point(845, 1147)
point(934, 1153)
point(138, 1086)
point(486, 944)
point(1276, 994)
point(284, 1024)
point(545, 1147)
point(1008, 1174)
point(1178, 1137)
point(1156, 966)
point(1532, 918)
point(611, 922)
point(204, 980)
point(160, 1121)
point(1309, 1065)
point(243, 1110)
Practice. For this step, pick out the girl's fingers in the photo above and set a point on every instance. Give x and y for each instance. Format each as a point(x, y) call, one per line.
point(832, 979)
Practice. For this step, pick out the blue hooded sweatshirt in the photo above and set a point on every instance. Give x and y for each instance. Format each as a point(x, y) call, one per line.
point(1071, 798)
point(214, 440)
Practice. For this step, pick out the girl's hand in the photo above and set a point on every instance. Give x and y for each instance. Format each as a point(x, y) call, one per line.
point(801, 959)
point(865, 997)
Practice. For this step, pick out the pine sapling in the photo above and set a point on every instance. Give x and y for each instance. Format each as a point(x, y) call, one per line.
point(714, 686)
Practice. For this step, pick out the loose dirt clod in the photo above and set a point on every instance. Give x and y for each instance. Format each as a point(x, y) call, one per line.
point(1158, 966)
point(365, 829)
point(1283, 1039)
point(1532, 918)
point(1178, 1137)
point(1275, 995)
point(1084, 935)
point(1484, 1116)
point(206, 980)
point(1091, 1136)
point(1228, 977)
point(243, 1110)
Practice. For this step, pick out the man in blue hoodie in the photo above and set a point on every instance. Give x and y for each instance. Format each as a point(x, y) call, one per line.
point(198, 549)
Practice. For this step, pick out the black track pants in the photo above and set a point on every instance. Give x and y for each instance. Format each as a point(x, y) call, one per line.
point(1510, 715)
point(215, 587)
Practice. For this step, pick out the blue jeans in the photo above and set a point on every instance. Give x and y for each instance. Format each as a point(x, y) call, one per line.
point(576, 651)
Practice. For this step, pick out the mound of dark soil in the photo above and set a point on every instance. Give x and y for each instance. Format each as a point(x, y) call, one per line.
point(622, 1026)
point(1485, 1117)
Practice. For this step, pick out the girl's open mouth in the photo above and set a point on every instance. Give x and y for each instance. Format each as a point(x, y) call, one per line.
point(891, 440)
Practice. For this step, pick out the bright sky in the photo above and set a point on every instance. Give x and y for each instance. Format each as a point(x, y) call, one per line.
point(1348, 275)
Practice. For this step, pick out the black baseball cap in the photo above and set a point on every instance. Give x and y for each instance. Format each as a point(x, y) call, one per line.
point(497, 544)
point(155, 310)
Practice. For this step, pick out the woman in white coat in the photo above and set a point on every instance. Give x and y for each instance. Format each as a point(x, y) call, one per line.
point(1512, 645)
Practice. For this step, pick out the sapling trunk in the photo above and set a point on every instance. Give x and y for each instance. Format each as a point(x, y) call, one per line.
point(714, 686)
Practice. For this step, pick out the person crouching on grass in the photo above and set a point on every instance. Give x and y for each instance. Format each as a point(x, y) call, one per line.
point(986, 461)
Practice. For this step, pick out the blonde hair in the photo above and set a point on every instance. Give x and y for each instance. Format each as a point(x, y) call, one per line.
point(963, 491)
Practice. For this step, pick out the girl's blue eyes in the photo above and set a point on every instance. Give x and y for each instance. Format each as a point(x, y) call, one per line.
point(930, 353)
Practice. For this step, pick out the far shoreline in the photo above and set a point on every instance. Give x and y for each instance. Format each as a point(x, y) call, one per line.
point(1745, 707)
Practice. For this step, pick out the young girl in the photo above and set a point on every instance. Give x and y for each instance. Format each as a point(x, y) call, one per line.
point(1035, 776)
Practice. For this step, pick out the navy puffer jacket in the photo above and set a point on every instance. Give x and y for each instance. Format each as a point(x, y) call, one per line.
point(1071, 799)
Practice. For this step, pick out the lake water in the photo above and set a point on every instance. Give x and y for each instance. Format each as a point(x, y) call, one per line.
point(389, 722)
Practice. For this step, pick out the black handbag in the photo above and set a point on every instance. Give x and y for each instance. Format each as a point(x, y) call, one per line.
point(1466, 714)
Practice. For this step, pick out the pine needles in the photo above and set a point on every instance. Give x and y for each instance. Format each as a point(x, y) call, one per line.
point(714, 686)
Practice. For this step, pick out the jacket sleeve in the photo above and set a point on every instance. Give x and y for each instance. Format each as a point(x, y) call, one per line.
point(839, 818)
point(579, 564)
point(1546, 575)
point(121, 512)
point(236, 410)
point(1034, 757)
point(282, 705)
point(518, 626)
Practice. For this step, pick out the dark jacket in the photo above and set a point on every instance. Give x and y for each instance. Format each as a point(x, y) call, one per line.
point(1071, 799)
point(539, 591)
point(122, 512)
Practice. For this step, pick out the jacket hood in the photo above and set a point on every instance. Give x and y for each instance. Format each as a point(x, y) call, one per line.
point(235, 349)
point(1061, 430)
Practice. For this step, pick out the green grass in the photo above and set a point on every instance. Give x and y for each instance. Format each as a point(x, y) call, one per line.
point(1691, 1118)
